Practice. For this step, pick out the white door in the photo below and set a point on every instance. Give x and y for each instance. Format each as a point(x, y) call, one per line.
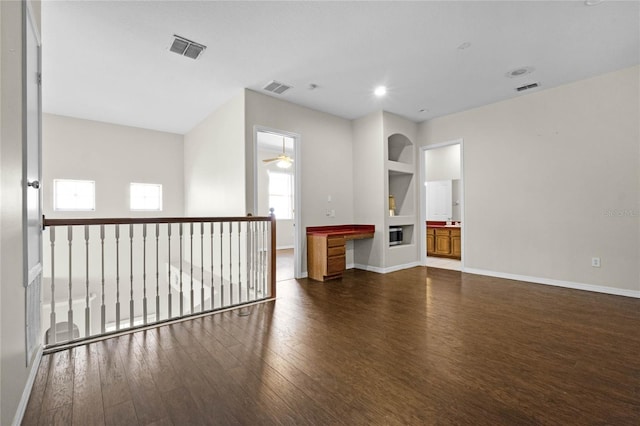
point(32, 191)
point(439, 200)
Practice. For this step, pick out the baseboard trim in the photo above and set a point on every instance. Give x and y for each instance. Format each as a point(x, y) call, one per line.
point(556, 283)
point(26, 393)
point(387, 270)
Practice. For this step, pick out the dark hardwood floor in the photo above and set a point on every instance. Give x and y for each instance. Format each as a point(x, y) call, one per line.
point(419, 346)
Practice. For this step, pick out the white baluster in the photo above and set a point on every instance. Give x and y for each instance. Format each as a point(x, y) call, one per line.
point(117, 232)
point(221, 265)
point(144, 273)
point(191, 266)
point(70, 311)
point(87, 312)
point(52, 315)
point(212, 283)
point(181, 293)
point(230, 263)
point(201, 266)
point(157, 272)
point(131, 304)
point(239, 262)
point(103, 309)
point(169, 266)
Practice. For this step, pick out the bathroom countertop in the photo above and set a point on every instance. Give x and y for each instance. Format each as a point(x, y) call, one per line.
point(438, 224)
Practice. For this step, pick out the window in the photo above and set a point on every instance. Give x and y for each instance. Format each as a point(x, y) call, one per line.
point(281, 194)
point(74, 195)
point(145, 196)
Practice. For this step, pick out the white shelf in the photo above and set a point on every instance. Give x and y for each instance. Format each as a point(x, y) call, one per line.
point(401, 246)
point(397, 167)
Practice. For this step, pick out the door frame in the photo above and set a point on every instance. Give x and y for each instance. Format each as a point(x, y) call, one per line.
point(423, 199)
point(297, 185)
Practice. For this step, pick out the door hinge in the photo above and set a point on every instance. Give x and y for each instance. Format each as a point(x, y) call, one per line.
point(39, 78)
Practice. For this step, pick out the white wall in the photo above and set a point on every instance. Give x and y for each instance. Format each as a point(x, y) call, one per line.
point(113, 156)
point(442, 163)
point(552, 179)
point(326, 159)
point(13, 368)
point(214, 163)
point(368, 184)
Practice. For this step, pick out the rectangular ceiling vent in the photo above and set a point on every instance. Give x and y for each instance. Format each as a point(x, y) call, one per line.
point(527, 87)
point(276, 87)
point(186, 47)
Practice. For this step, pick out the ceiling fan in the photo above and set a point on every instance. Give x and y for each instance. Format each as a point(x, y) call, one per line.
point(283, 160)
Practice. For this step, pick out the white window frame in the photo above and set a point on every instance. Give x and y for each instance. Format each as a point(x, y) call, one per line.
point(132, 185)
point(291, 212)
point(57, 196)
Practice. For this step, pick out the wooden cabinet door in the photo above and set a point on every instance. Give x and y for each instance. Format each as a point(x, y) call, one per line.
point(443, 241)
point(443, 244)
point(431, 245)
point(456, 247)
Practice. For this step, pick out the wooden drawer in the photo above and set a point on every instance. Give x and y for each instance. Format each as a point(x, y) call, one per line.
point(440, 231)
point(335, 241)
point(455, 232)
point(336, 251)
point(336, 265)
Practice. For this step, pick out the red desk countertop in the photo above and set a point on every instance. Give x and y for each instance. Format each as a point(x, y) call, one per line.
point(341, 230)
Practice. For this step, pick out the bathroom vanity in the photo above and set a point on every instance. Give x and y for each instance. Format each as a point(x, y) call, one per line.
point(443, 240)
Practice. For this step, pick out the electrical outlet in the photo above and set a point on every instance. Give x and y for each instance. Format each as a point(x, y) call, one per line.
point(328, 198)
point(333, 213)
point(595, 262)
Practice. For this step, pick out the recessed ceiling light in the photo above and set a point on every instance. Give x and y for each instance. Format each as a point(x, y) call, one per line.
point(380, 91)
point(464, 45)
point(592, 2)
point(519, 72)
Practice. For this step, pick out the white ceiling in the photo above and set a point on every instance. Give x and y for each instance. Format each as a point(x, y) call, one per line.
point(109, 61)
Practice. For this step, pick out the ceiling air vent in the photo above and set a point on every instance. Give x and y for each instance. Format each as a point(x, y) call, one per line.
point(527, 87)
point(186, 47)
point(276, 87)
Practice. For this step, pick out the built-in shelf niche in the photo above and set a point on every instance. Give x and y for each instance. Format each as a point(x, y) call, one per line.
point(400, 149)
point(407, 235)
point(401, 187)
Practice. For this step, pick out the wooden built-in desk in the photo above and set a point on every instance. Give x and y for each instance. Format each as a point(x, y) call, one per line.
point(326, 248)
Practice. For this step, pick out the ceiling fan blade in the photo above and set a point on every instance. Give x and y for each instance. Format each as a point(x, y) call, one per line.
point(269, 160)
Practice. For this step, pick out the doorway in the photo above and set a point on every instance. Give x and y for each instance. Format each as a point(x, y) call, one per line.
point(277, 187)
point(442, 205)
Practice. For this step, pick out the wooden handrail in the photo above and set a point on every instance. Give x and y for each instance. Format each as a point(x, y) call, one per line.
point(126, 221)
